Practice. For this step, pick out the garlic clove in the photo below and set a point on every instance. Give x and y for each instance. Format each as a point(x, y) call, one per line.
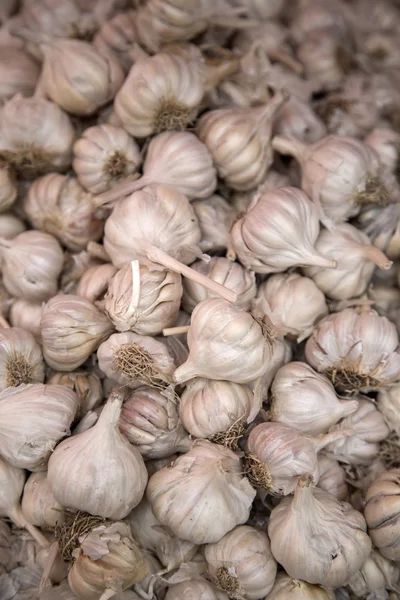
point(38, 503)
point(95, 281)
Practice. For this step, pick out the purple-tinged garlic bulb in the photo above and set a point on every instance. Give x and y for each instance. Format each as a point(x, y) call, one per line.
point(382, 225)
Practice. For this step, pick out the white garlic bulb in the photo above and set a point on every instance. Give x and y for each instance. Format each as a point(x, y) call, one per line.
point(31, 265)
point(26, 315)
point(59, 205)
point(143, 299)
point(38, 503)
point(103, 156)
point(36, 136)
point(332, 478)
point(377, 573)
point(339, 545)
point(239, 140)
point(306, 400)
point(227, 273)
point(389, 406)
point(8, 191)
point(277, 232)
point(18, 73)
point(212, 473)
point(294, 303)
point(356, 260)
point(217, 410)
point(71, 328)
point(21, 359)
point(356, 351)
point(197, 588)
point(286, 588)
point(98, 471)
point(241, 563)
point(216, 217)
point(220, 328)
point(33, 418)
point(94, 282)
point(150, 420)
point(382, 512)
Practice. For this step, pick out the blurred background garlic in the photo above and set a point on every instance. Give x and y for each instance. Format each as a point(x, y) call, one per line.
point(297, 119)
point(8, 189)
point(86, 385)
point(19, 73)
point(216, 217)
point(332, 478)
point(286, 588)
point(10, 225)
point(38, 503)
point(21, 359)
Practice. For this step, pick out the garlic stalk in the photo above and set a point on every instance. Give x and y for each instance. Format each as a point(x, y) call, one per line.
point(286, 588)
point(332, 478)
point(382, 513)
point(98, 471)
point(38, 503)
point(21, 359)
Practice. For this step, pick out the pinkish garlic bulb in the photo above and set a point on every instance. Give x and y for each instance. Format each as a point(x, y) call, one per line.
point(258, 9)
point(119, 36)
point(10, 225)
point(216, 217)
point(94, 282)
point(357, 351)
point(297, 119)
point(314, 15)
point(273, 179)
point(277, 232)
point(332, 478)
point(18, 73)
point(26, 315)
point(382, 225)
point(62, 18)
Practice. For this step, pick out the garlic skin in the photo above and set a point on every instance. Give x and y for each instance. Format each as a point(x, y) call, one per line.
point(10, 225)
point(98, 471)
point(241, 563)
point(211, 472)
point(220, 328)
point(36, 136)
point(18, 73)
point(86, 385)
point(33, 418)
point(94, 282)
point(143, 299)
point(294, 303)
point(216, 217)
point(197, 588)
point(277, 232)
point(389, 406)
point(224, 271)
point(38, 503)
point(358, 352)
point(306, 400)
point(21, 359)
point(381, 513)
point(239, 140)
point(377, 573)
point(26, 315)
point(369, 428)
point(332, 478)
point(337, 531)
point(59, 205)
point(8, 190)
point(356, 260)
point(72, 328)
point(286, 588)
point(150, 420)
point(103, 156)
point(209, 407)
point(31, 265)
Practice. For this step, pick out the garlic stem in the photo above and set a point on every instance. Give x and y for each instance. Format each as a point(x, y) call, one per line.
point(110, 414)
point(321, 441)
point(175, 330)
point(107, 594)
point(274, 105)
point(316, 260)
point(120, 191)
point(290, 146)
point(16, 515)
point(377, 257)
point(214, 74)
point(348, 407)
point(280, 55)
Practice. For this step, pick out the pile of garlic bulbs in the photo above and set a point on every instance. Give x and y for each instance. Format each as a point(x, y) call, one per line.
point(199, 300)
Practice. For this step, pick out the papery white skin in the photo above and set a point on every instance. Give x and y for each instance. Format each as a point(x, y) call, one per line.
point(208, 407)
point(246, 555)
point(277, 232)
point(389, 406)
point(18, 73)
point(59, 205)
point(294, 303)
point(21, 359)
point(306, 400)
point(38, 503)
point(356, 261)
point(71, 328)
point(87, 386)
point(220, 328)
point(34, 125)
point(10, 225)
point(224, 271)
point(103, 155)
point(8, 191)
point(150, 420)
point(26, 315)
point(317, 538)
point(143, 299)
point(332, 478)
point(98, 471)
point(197, 588)
point(212, 473)
point(31, 265)
point(377, 573)
point(364, 345)
point(286, 588)
point(296, 118)
point(369, 429)
point(95, 281)
point(216, 217)
point(33, 418)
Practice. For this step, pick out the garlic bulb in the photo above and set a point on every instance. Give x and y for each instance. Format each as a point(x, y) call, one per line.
point(33, 418)
point(38, 503)
point(239, 140)
point(8, 189)
point(297, 119)
point(98, 471)
point(389, 406)
point(134, 360)
point(26, 315)
point(339, 545)
point(368, 427)
point(332, 478)
point(286, 588)
point(241, 563)
point(294, 303)
point(94, 283)
point(86, 385)
point(72, 328)
point(119, 36)
point(386, 142)
point(356, 259)
point(103, 156)
point(150, 420)
point(242, 200)
point(107, 560)
point(36, 136)
point(217, 329)
point(227, 273)
point(143, 299)
point(282, 353)
point(381, 513)
point(21, 359)
point(377, 573)
point(258, 9)
point(18, 73)
point(339, 174)
point(277, 232)
point(356, 351)
point(216, 217)
point(197, 588)
point(32, 263)
point(208, 472)
point(10, 225)
point(306, 400)
point(59, 205)
point(218, 410)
